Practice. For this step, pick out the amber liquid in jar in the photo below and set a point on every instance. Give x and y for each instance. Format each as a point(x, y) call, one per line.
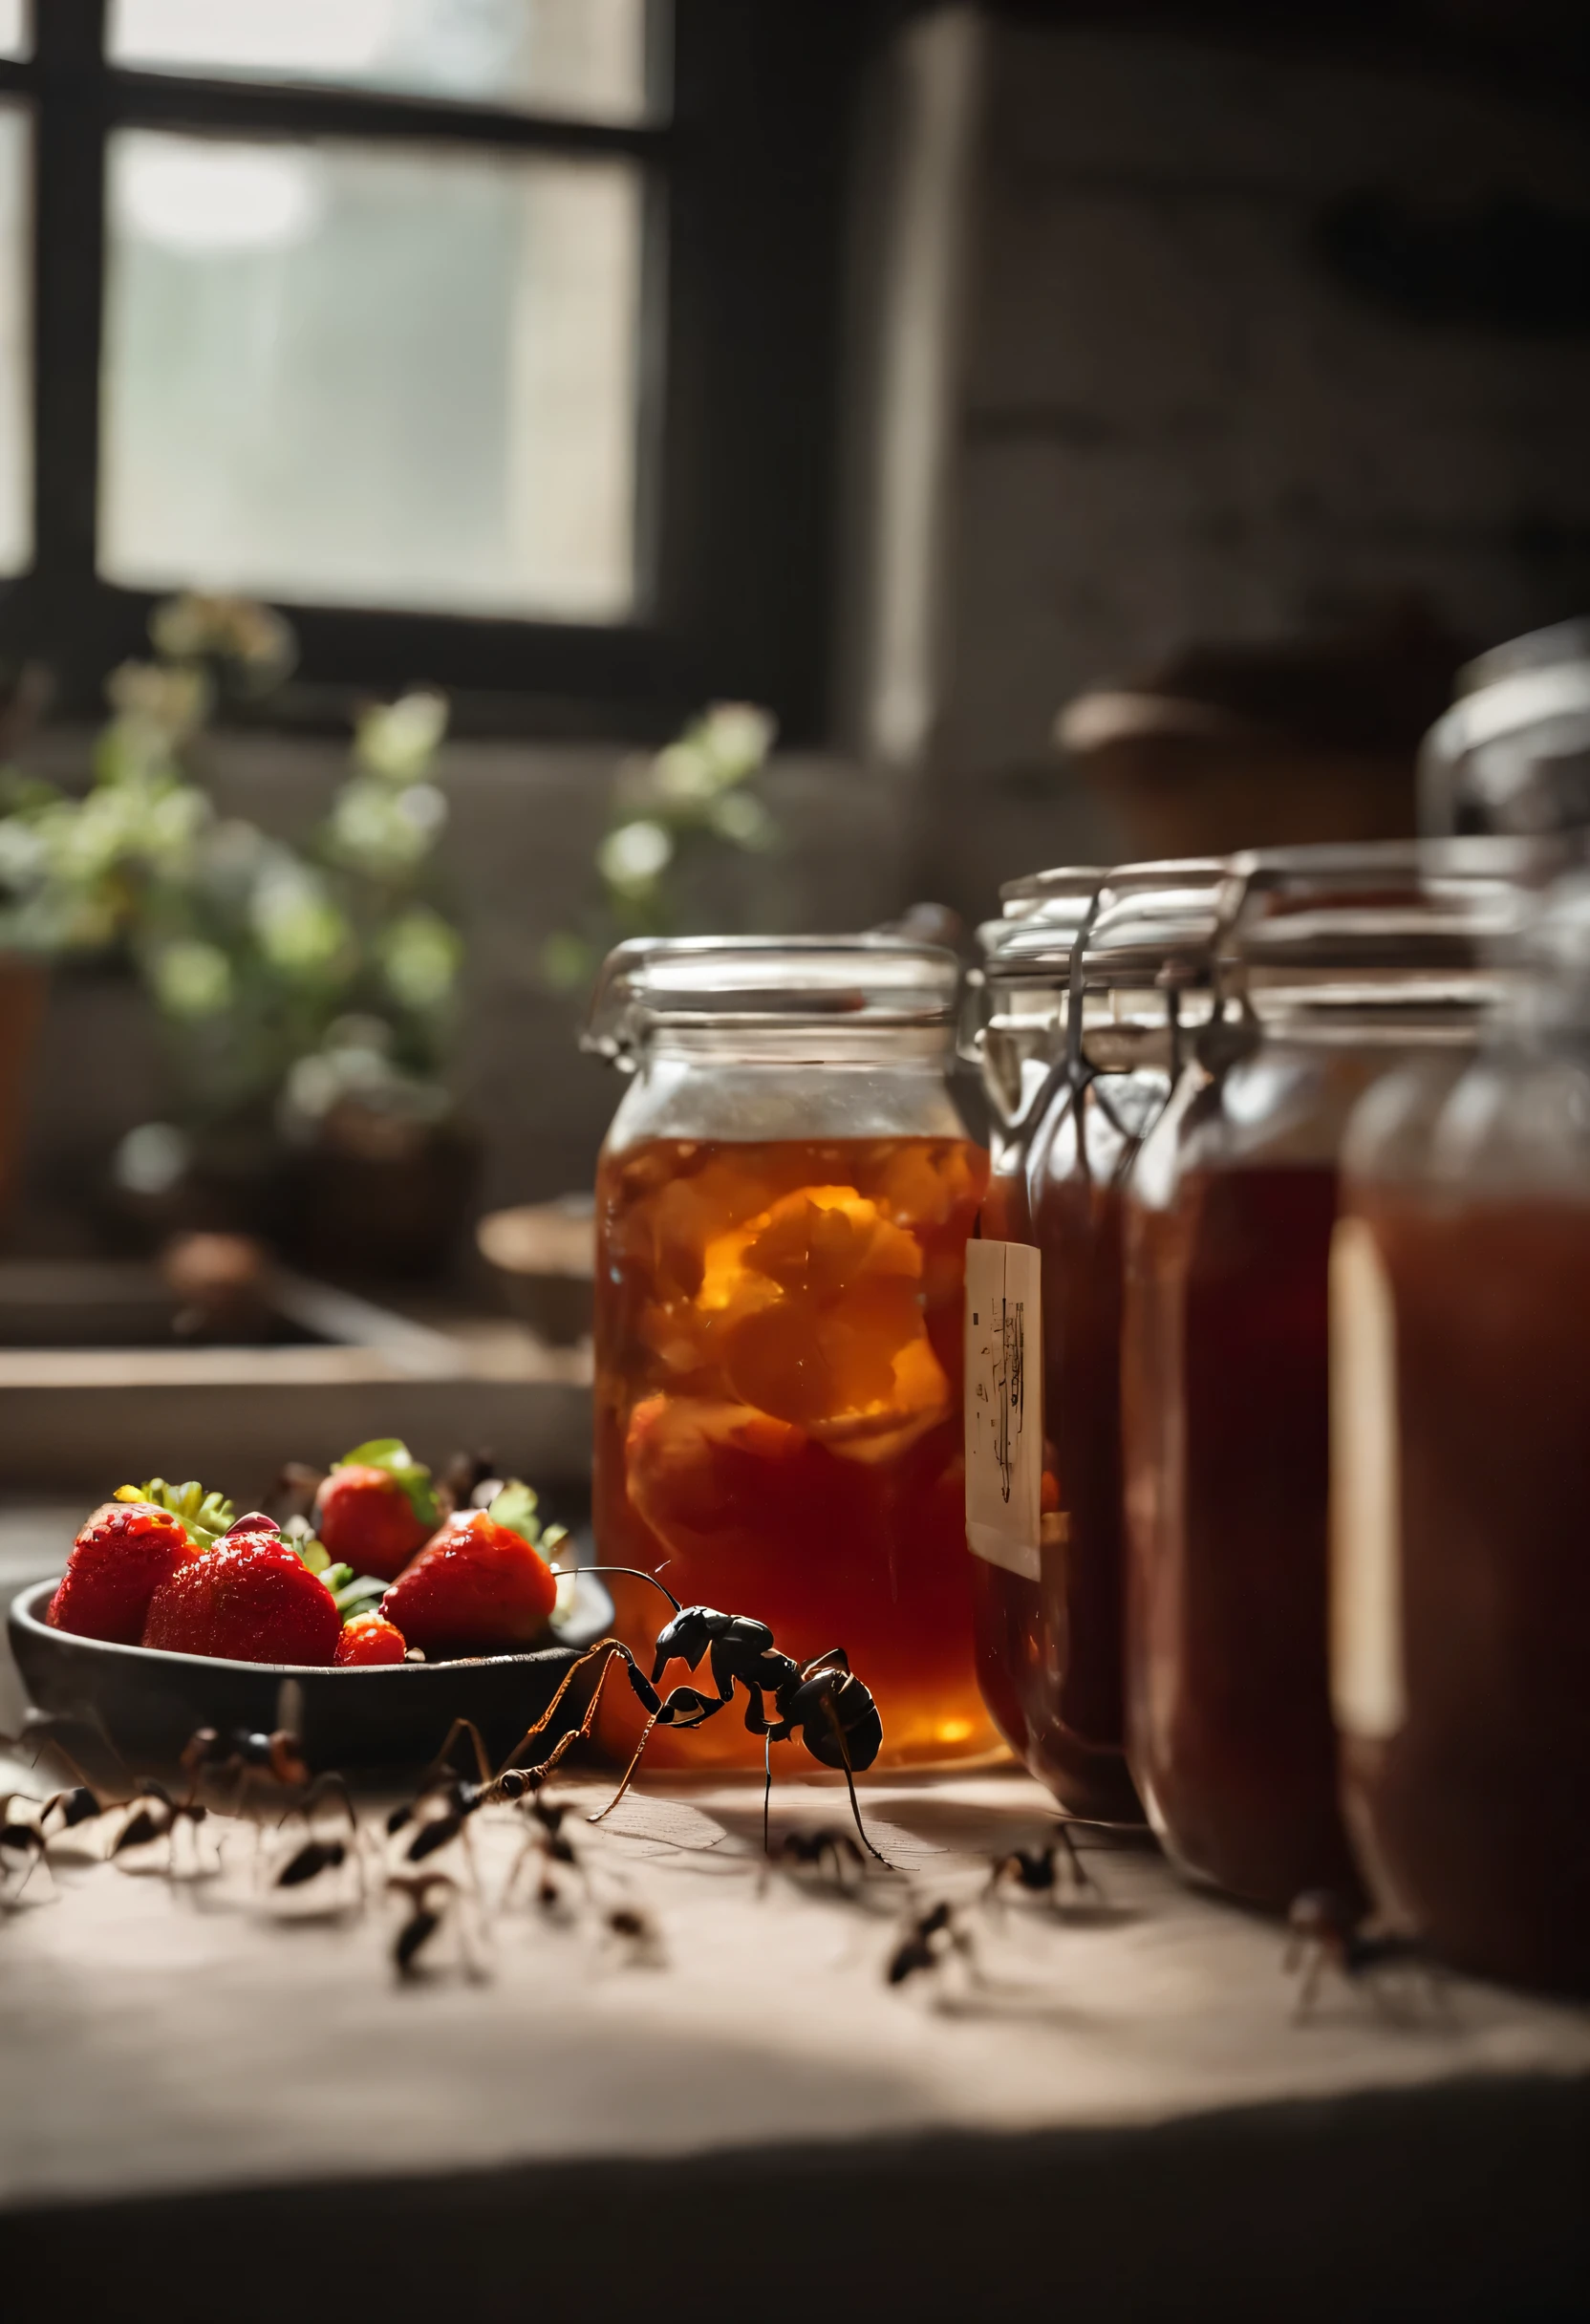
point(1225, 1388)
point(1049, 1651)
point(1474, 1817)
point(779, 1428)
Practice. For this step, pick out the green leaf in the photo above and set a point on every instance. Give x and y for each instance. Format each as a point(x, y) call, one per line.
point(391, 1454)
point(205, 1515)
point(516, 1507)
point(360, 1594)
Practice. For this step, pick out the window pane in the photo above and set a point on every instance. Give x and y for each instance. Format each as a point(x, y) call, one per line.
point(14, 28)
point(17, 425)
point(577, 56)
point(344, 374)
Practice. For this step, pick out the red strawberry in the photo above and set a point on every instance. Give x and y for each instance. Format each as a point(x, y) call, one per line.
point(118, 1563)
point(368, 1639)
point(251, 1599)
point(475, 1587)
point(365, 1520)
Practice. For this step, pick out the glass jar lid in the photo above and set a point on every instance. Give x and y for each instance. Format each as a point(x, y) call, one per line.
point(1062, 892)
point(1395, 923)
point(1155, 925)
point(792, 997)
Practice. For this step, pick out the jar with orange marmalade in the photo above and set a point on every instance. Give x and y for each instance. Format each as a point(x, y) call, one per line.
point(1083, 1005)
point(782, 1206)
point(1460, 1597)
point(1334, 967)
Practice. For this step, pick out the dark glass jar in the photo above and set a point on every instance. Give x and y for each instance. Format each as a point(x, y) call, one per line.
point(1335, 966)
point(783, 1205)
point(1460, 1647)
point(1109, 967)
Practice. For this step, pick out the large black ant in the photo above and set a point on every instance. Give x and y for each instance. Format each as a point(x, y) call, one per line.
point(1325, 1932)
point(822, 1701)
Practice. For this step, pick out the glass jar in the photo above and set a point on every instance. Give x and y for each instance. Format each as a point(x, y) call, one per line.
point(783, 1205)
point(1513, 753)
point(1096, 963)
point(1335, 965)
point(1460, 1647)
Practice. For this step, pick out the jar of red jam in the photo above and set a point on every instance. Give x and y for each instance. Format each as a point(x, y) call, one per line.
point(1335, 966)
point(1460, 1601)
point(1097, 964)
point(783, 1205)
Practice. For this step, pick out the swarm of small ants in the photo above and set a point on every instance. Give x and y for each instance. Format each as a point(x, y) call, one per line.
point(330, 1855)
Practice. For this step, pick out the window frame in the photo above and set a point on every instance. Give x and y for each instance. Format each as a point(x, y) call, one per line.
point(740, 292)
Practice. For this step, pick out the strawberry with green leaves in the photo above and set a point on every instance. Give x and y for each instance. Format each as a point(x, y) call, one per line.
point(250, 1598)
point(120, 1558)
point(482, 1583)
point(376, 1508)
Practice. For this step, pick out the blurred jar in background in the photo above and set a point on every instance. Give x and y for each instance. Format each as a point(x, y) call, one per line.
point(1513, 753)
point(1112, 973)
point(1335, 966)
point(783, 1204)
point(1460, 1319)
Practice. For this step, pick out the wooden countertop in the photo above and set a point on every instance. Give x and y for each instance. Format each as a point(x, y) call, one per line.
point(1111, 2111)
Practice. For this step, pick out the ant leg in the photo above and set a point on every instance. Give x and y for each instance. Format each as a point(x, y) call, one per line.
point(609, 1646)
point(851, 1787)
point(330, 1784)
point(767, 1786)
point(463, 1726)
point(1081, 1877)
point(580, 1733)
point(628, 1771)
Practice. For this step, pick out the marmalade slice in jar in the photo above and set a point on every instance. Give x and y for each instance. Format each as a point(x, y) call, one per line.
point(779, 1416)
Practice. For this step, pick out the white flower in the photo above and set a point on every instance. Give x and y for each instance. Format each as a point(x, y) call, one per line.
point(632, 856)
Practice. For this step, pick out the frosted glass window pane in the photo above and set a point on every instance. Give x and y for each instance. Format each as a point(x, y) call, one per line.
point(16, 445)
point(577, 56)
point(358, 375)
point(15, 28)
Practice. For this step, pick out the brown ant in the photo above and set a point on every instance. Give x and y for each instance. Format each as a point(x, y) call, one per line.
point(636, 1936)
point(157, 1816)
point(1038, 1870)
point(1325, 1932)
point(18, 1839)
point(433, 1898)
point(931, 1940)
point(317, 1856)
point(827, 1851)
point(544, 1837)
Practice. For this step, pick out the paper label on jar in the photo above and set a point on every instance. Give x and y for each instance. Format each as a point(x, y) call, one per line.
point(1369, 1692)
point(1004, 1404)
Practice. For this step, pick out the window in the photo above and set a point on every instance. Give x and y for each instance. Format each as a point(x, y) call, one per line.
point(494, 339)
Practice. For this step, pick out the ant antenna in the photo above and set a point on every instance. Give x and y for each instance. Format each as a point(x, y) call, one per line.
point(635, 1575)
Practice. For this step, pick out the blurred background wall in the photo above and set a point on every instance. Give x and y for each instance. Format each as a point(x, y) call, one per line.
point(1226, 373)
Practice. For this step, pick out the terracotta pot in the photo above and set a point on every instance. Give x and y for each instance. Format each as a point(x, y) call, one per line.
point(22, 989)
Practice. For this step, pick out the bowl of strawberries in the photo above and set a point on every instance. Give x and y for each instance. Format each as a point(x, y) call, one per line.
point(395, 1604)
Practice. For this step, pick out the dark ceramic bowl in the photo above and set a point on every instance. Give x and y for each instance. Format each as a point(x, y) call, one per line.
point(150, 1702)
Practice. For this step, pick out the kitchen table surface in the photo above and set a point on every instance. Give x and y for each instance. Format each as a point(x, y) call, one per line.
point(1101, 2100)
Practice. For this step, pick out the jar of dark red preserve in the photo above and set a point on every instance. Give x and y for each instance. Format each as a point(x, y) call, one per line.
point(1335, 966)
